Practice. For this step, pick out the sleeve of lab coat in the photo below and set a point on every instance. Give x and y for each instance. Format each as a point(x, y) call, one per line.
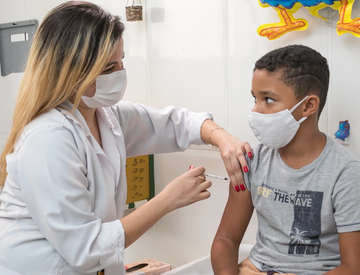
point(148, 130)
point(52, 176)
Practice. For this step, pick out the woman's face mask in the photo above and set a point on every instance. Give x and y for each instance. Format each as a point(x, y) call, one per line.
point(110, 90)
point(275, 130)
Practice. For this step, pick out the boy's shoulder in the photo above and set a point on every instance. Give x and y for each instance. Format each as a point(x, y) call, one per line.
point(341, 150)
point(261, 153)
point(337, 156)
point(334, 153)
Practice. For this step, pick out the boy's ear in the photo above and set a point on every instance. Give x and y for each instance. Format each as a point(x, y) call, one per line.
point(311, 105)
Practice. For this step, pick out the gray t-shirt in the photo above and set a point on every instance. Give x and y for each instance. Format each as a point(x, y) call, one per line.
point(301, 211)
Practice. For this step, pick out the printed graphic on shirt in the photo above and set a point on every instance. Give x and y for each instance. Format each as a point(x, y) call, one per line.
point(306, 227)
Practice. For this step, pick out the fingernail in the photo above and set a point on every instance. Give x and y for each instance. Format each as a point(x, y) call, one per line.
point(250, 155)
point(237, 188)
point(242, 186)
point(246, 169)
point(190, 167)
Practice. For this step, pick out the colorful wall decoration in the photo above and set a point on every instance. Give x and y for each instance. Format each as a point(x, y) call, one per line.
point(286, 8)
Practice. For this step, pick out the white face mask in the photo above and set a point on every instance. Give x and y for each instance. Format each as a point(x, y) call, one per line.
point(110, 90)
point(275, 130)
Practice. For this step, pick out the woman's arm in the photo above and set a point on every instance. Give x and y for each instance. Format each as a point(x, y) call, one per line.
point(148, 130)
point(349, 254)
point(232, 151)
point(225, 247)
point(182, 191)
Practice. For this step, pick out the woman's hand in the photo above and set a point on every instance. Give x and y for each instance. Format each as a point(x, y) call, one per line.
point(186, 189)
point(232, 152)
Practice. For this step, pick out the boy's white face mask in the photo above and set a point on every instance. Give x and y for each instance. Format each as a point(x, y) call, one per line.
point(275, 130)
point(110, 90)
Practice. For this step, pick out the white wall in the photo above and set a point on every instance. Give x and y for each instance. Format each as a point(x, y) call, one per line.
point(200, 55)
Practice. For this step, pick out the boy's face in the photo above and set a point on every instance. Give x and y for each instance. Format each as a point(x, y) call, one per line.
point(271, 95)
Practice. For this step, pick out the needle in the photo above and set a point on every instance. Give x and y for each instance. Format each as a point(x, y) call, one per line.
point(216, 177)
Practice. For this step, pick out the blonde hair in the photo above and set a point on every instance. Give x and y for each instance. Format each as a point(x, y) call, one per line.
point(70, 49)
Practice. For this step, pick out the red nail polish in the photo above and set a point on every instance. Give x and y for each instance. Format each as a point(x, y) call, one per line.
point(250, 155)
point(190, 167)
point(246, 169)
point(237, 188)
point(242, 186)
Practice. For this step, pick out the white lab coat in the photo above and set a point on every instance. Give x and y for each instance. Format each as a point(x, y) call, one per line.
point(64, 194)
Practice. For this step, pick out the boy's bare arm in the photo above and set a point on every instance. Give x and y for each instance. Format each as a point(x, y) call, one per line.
point(349, 254)
point(235, 219)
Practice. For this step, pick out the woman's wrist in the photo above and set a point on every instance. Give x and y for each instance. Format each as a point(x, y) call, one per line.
point(212, 131)
point(209, 130)
point(164, 200)
point(218, 136)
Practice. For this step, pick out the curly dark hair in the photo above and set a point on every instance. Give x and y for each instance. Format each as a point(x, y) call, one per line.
point(301, 68)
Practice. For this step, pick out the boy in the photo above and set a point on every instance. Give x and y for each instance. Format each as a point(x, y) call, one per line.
point(304, 186)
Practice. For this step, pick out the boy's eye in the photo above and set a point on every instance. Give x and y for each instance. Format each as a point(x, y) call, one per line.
point(254, 99)
point(269, 100)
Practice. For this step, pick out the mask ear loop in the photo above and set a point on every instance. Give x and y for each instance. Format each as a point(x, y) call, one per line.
point(297, 105)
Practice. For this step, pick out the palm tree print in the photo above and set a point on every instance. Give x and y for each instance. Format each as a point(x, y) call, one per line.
point(297, 237)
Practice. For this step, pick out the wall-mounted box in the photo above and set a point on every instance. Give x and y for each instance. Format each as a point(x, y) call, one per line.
point(15, 41)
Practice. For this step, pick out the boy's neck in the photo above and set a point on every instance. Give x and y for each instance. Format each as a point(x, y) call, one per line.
point(305, 147)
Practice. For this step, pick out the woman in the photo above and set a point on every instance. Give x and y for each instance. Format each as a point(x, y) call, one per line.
point(63, 166)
